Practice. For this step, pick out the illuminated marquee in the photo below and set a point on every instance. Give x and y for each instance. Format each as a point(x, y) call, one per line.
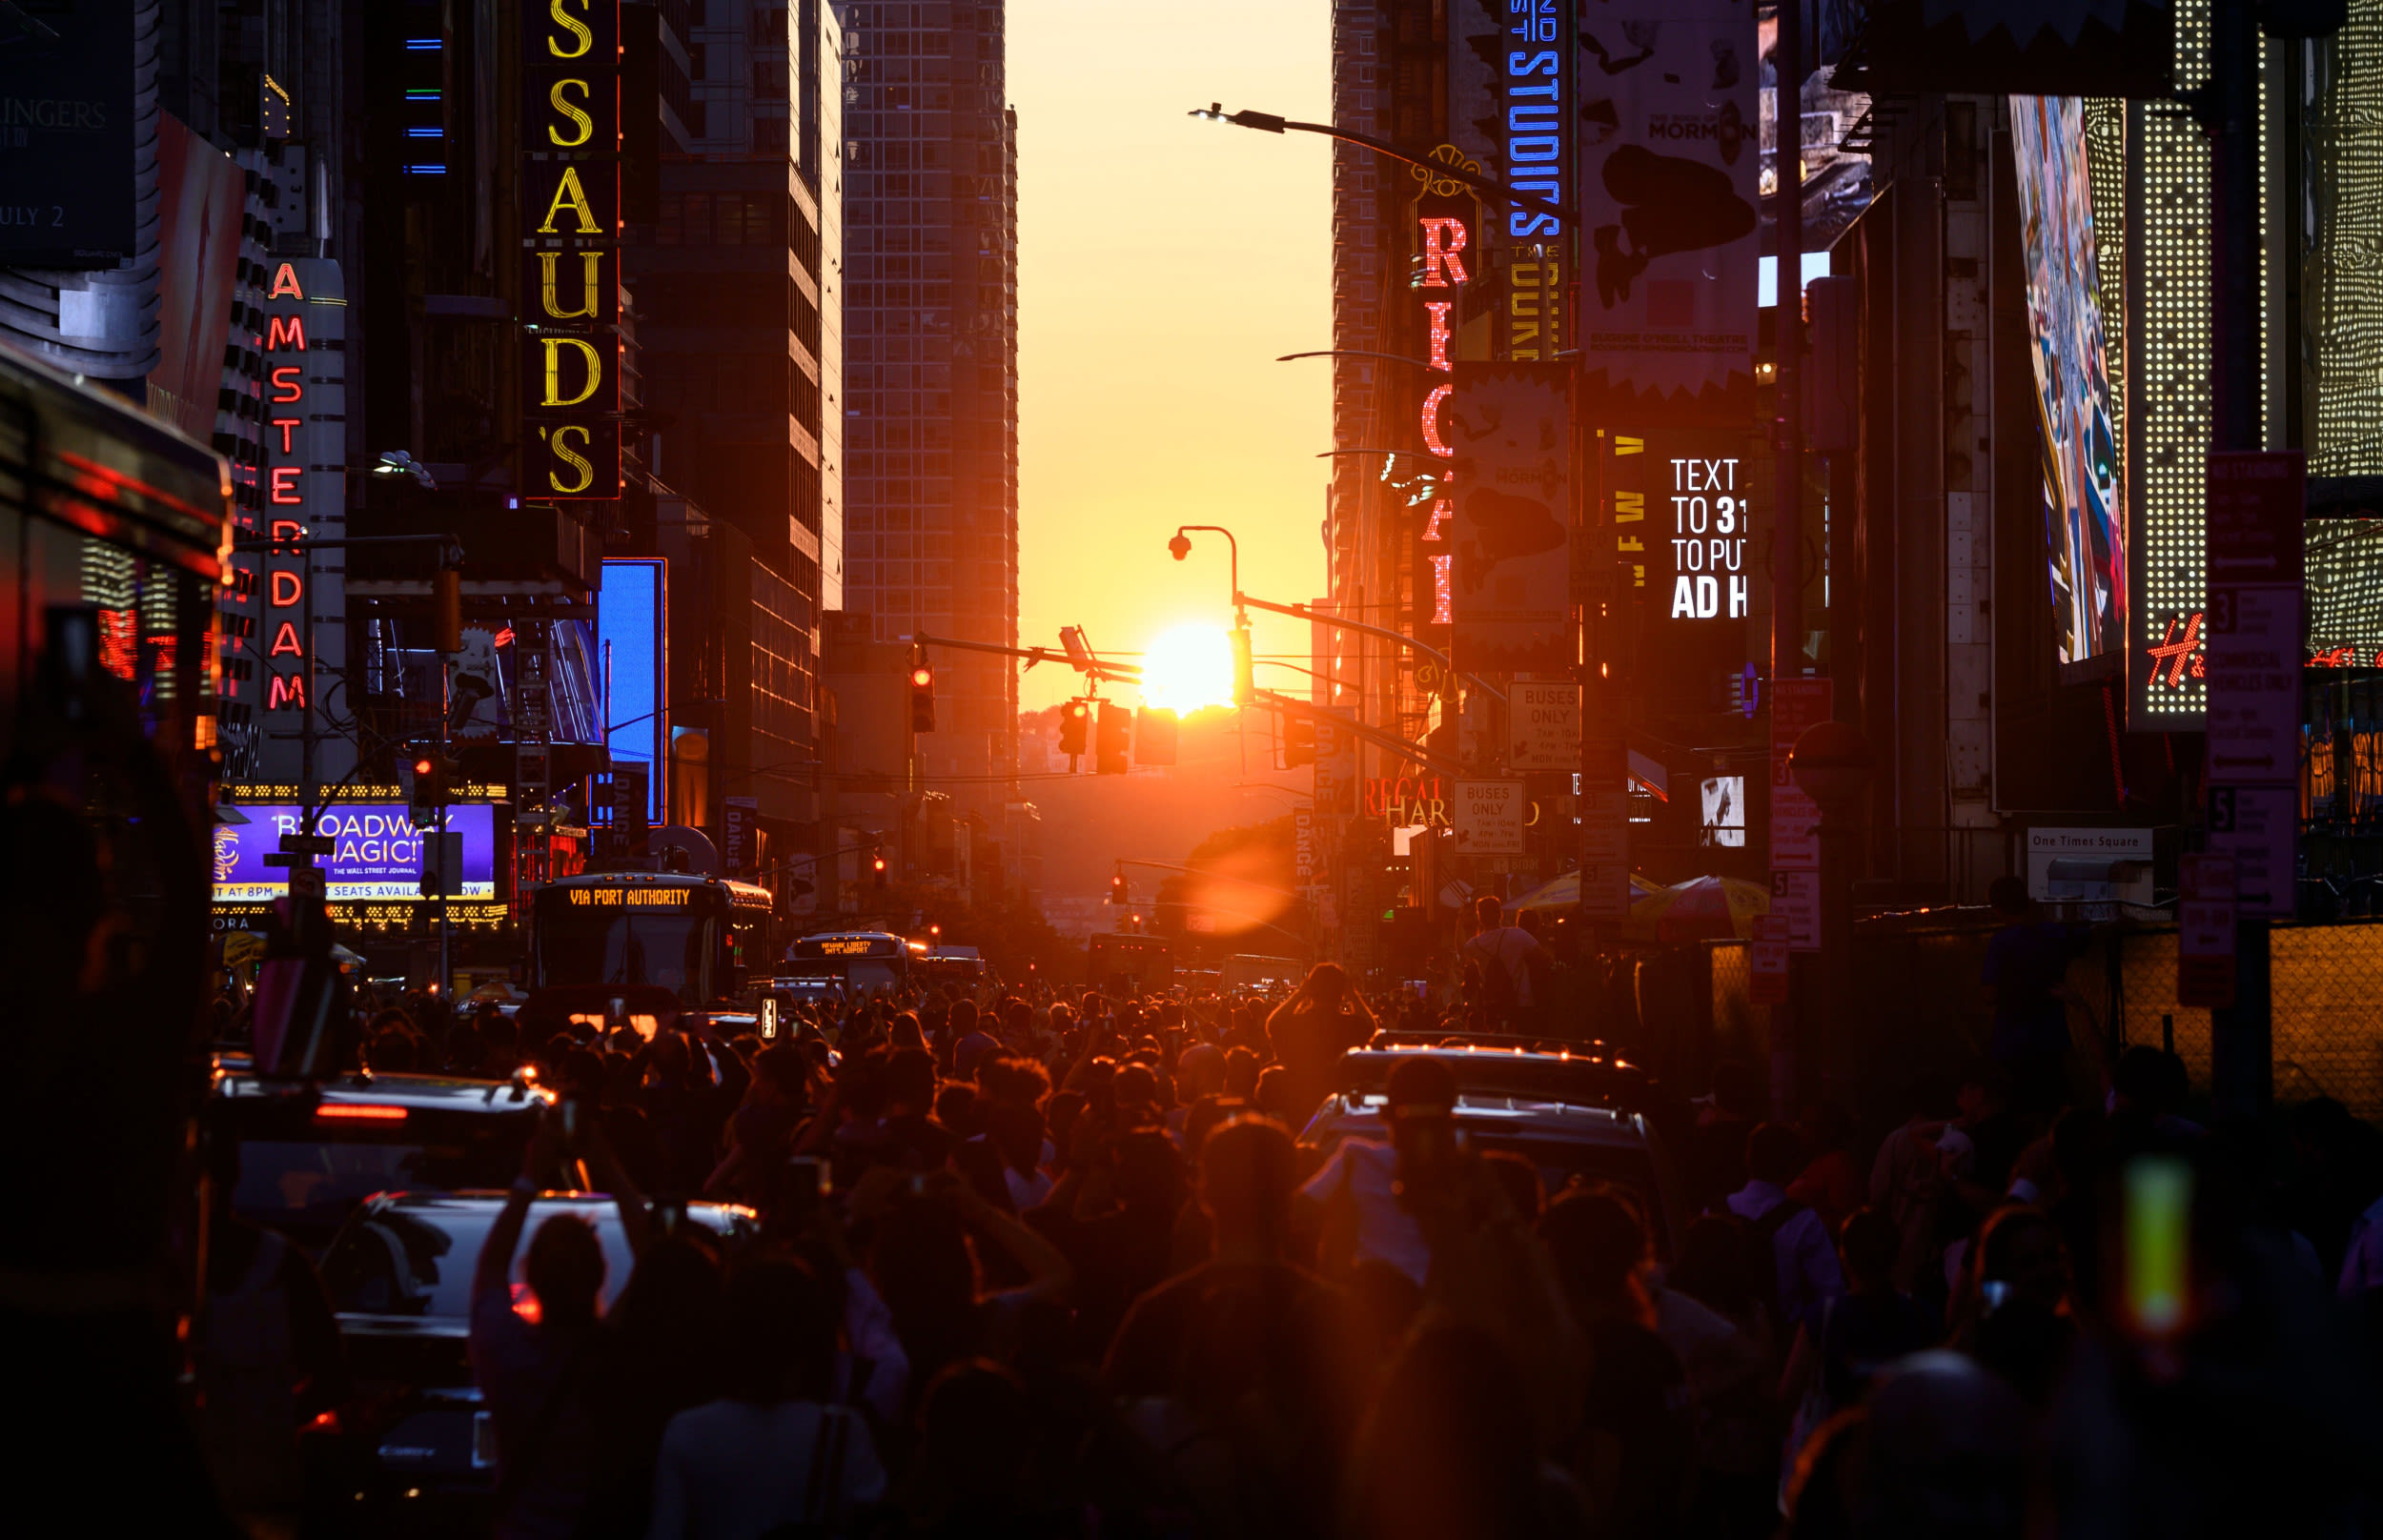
point(570, 278)
point(1537, 151)
point(1443, 241)
point(628, 898)
point(298, 646)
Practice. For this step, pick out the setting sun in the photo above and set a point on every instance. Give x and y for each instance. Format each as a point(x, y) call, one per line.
point(1188, 668)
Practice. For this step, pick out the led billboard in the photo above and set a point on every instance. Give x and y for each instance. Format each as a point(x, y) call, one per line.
point(632, 657)
point(376, 851)
point(2083, 498)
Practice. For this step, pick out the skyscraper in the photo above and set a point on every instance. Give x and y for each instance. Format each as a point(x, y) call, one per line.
point(931, 363)
point(735, 284)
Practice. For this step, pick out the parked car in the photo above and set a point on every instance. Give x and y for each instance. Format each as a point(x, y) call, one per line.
point(399, 1278)
point(311, 1153)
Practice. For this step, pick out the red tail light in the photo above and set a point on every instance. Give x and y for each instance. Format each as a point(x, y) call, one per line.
point(359, 1112)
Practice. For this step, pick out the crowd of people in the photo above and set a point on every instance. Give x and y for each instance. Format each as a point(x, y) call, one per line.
point(1060, 1267)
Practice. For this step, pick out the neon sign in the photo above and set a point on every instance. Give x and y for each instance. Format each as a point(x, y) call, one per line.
point(2179, 654)
point(1406, 800)
point(289, 658)
point(570, 279)
point(1441, 241)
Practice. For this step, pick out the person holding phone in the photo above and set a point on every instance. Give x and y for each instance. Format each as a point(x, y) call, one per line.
point(1322, 1020)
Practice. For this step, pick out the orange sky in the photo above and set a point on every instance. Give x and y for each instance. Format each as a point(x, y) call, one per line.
point(1163, 263)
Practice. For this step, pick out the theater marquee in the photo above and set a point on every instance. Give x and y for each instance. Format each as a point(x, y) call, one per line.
point(570, 280)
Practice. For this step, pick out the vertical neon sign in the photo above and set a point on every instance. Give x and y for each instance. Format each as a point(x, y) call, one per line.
point(1443, 244)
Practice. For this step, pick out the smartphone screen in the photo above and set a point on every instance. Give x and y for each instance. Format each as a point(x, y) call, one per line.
point(2158, 1242)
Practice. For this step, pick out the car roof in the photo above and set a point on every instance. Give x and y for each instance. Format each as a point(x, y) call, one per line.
point(1537, 1116)
point(717, 1216)
point(1585, 1075)
point(442, 1093)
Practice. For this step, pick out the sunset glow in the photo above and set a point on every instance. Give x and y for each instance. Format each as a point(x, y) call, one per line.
point(1188, 668)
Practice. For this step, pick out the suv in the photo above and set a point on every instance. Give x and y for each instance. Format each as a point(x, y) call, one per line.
point(1590, 1074)
point(1553, 1109)
point(400, 1277)
point(310, 1153)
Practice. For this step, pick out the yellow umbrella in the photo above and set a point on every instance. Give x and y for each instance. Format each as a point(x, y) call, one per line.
point(1701, 908)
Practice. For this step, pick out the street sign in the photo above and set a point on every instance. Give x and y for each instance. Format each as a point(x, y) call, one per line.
point(2256, 508)
point(1767, 961)
point(2254, 677)
point(1795, 705)
point(738, 818)
point(1488, 817)
point(303, 844)
point(2204, 930)
point(1542, 725)
point(1796, 898)
point(2253, 827)
point(306, 882)
point(2089, 865)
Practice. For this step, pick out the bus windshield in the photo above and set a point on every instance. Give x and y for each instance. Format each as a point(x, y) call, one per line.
point(672, 950)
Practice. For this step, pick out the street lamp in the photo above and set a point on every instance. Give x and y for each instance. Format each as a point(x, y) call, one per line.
point(1268, 122)
point(1831, 764)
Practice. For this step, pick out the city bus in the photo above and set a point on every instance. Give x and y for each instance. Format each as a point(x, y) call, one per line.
point(859, 963)
point(666, 943)
point(1136, 964)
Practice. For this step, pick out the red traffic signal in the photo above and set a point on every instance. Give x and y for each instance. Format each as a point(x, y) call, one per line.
point(1116, 726)
point(922, 694)
point(1117, 890)
point(1074, 718)
point(1299, 743)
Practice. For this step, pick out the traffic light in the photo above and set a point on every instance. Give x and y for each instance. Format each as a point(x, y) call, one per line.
point(1243, 669)
point(1154, 736)
point(1117, 890)
point(1072, 718)
point(1116, 724)
point(446, 604)
point(1299, 743)
point(434, 777)
point(877, 867)
point(922, 693)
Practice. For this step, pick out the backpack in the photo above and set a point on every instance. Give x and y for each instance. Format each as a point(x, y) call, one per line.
point(1781, 1215)
point(1497, 983)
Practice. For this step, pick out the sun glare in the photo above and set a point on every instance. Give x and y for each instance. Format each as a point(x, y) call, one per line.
point(1188, 668)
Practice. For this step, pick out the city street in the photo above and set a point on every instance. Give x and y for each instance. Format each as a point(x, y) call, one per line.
point(851, 768)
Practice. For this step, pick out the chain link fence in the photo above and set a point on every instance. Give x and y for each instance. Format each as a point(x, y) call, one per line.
point(1921, 1010)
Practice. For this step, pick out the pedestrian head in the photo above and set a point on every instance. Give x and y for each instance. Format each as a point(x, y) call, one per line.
point(566, 1271)
point(1774, 1154)
point(1199, 1072)
point(1241, 1067)
point(1449, 1448)
point(2008, 895)
point(1246, 1177)
point(783, 1324)
point(1868, 1243)
point(1598, 1242)
point(910, 1080)
point(1328, 983)
point(2020, 1249)
point(975, 1442)
point(1489, 911)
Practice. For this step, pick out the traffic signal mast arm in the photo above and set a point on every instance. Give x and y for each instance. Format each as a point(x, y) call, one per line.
point(1397, 745)
point(1301, 612)
point(1116, 673)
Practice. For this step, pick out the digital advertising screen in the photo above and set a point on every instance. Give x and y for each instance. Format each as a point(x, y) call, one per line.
point(632, 625)
point(2082, 499)
point(376, 851)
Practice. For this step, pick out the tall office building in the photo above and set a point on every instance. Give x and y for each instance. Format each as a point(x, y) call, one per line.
point(932, 348)
point(736, 283)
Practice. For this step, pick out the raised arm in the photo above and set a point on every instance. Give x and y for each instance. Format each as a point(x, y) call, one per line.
point(494, 1273)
